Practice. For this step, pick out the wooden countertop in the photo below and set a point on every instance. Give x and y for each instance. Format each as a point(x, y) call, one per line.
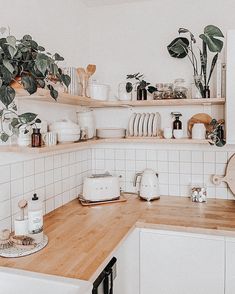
point(82, 239)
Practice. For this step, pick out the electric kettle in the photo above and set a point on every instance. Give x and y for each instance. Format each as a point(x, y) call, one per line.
point(149, 185)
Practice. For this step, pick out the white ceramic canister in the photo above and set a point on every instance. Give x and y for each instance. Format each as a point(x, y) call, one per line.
point(199, 131)
point(86, 121)
point(98, 91)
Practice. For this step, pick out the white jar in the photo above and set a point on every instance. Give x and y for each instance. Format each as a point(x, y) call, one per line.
point(86, 122)
point(199, 131)
point(167, 133)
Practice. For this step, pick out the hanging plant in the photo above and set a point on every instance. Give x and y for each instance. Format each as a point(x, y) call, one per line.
point(25, 64)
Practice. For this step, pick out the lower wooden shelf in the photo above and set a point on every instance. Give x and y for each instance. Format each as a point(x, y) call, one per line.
point(77, 145)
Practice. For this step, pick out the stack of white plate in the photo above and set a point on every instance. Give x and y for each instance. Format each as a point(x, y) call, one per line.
point(144, 125)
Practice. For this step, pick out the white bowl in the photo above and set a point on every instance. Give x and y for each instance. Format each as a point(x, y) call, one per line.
point(178, 134)
point(68, 138)
point(110, 133)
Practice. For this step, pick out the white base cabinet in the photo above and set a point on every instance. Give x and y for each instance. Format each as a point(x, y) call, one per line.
point(230, 266)
point(178, 263)
point(127, 280)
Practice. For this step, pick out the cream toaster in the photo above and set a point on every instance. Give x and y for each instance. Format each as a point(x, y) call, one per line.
point(101, 187)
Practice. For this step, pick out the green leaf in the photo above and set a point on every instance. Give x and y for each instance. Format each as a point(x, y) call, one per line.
point(58, 57)
point(41, 83)
point(178, 48)
point(41, 63)
point(14, 122)
point(29, 84)
point(7, 95)
point(213, 63)
point(66, 80)
point(210, 37)
point(38, 121)
point(27, 117)
point(54, 94)
point(40, 48)
point(4, 137)
point(129, 87)
point(27, 38)
point(8, 65)
point(11, 40)
point(12, 51)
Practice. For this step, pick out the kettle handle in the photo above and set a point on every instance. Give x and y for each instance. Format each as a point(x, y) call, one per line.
point(136, 177)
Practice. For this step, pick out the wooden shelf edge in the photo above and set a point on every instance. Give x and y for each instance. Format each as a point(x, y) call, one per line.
point(90, 143)
point(64, 98)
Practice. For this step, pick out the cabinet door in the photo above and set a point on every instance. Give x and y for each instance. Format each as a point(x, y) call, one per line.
point(230, 266)
point(178, 263)
point(127, 280)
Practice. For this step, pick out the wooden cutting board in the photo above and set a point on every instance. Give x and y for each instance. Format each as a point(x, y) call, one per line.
point(229, 177)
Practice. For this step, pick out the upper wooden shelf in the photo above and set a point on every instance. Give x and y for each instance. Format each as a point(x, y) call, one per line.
point(64, 98)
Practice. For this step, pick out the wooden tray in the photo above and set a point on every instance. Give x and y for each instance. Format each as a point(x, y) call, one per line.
point(88, 203)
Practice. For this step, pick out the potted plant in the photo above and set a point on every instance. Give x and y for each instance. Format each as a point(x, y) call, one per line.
point(26, 64)
point(182, 47)
point(142, 86)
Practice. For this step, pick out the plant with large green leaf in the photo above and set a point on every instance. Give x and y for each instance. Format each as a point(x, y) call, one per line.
point(26, 64)
point(182, 47)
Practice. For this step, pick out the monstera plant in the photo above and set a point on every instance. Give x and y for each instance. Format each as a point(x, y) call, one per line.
point(25, 64)
point(182, 47)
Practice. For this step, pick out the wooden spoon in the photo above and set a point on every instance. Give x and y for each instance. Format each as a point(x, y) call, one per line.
point(91, 69)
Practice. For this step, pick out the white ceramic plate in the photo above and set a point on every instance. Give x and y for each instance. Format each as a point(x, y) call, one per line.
point(141, 122)
point(131, 124)
point(136, 124)
point(145, 125)
point(150, 125)
point(156, 124)
point(110, 133)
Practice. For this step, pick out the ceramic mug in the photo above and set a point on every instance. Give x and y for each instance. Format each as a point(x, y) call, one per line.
point(178, 134)
point(199, 131)
point(49, 138)
point(167, 133)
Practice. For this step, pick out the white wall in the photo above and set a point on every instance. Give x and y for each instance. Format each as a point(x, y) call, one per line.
point(132, 37)
point(60, 26)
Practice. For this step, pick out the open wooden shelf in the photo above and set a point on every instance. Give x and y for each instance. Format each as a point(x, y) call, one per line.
point(64, 98)
point(90, 143)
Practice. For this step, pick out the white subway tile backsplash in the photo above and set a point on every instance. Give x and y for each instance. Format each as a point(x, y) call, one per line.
point(58, 200)
point(164, 189)
point(49, 177)
point(120, 154)
point(130, 165)
point(163, 167)
point(197, 168)
point(5, 192)
point(185, 156)
point(163, 178)
point(99, 153)
point(109, 154)
point(17, 171)
point(220, 169)
point(58, 188)
point(39, 165)
point(140, 165)
point(221, 157)
point(197, 156)
point(5, 209)
point(185, 167)
point(173, 155)
point(140, 154)
point(209, 156)
point(49, 191)
point(57, 161)
point(209, 168)
point(174, 167)
point(151, 155)
point(17, 188)
point(28, 184)
point(130, 154)
point(49, 163)
point(28, 168)
point(5, 174)
point(65, 158)
point(162, 155)
point(39, 180)
point(50, 205)
point(57, 174)
point(185, 179)
point(221, 193)
point(174, 190)
point(174, 179)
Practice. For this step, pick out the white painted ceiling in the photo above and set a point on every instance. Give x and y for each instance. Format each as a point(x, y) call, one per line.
point(93, 3)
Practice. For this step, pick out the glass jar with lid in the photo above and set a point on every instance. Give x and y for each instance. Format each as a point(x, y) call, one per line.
point(180, 89)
